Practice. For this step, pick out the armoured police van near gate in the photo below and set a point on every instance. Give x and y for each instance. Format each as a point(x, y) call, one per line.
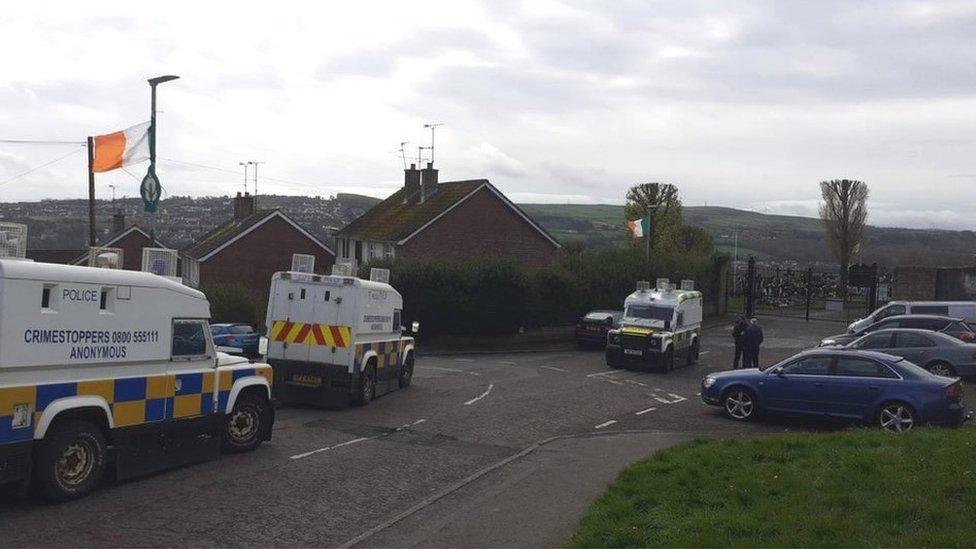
point(111, 370)
point(659, 327)
point(333, 338)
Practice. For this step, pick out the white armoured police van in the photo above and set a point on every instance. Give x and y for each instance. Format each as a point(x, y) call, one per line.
point(336, 336)
point(659, 326)
point(108, 368)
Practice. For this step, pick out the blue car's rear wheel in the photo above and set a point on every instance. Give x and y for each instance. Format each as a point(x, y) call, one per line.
point(740, 404)
point(896, 417)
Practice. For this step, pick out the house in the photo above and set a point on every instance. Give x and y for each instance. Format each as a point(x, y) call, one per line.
point(249, 248)
point(427, 219)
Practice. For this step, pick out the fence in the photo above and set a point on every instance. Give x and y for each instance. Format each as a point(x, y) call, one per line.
point(808, 293)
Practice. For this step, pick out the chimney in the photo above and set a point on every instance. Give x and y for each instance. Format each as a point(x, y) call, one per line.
point(243, 206)
point(411, 185)
point(118, 222)
point(428, 182)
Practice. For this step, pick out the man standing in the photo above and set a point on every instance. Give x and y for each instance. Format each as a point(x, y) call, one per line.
point(738, 329)
point(752, 338)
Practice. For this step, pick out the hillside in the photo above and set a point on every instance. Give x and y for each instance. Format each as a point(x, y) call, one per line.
point(772, 237)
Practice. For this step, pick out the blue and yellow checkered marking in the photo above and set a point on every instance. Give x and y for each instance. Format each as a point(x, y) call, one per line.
point(132, 400)
point(388, 353)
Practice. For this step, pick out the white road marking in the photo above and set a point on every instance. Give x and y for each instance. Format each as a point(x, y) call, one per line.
point(658, 389)
point(505, 362)
point(678, 398)
point(463, 360)
point(615, 382)
point(605, 424)
point(441, 369)
point(355, 441)
point(602, 373)
point(662, 400)
point(642, 412)
point(553, 368)
point(704, 353)
point(636, 382)
point(481, 396)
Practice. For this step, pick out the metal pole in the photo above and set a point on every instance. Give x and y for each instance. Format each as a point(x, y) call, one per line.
point(751, 288)
point(91, 192)
point(245, 174)
point(647, 237)
point(152, 153)
point(809, 290)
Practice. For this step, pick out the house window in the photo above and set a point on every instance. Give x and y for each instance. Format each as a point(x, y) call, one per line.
point(191, 272)
point(345, 248)
point(359, 251)
point(388, 251)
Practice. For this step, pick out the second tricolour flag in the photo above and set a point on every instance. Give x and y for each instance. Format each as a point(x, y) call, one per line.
point(640, 227)
point(114, 150)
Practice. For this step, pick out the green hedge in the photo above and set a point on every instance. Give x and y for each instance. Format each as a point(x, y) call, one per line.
point(234, 303)
point(498, 297)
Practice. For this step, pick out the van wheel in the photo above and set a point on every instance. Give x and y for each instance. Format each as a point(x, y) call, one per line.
point(667, 361)
point(70, 461)
point(693, 353)
point(406, 372)
point(367, 385)
point(245, 423)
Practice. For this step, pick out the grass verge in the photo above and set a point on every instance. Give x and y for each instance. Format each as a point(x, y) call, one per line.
point(853, 488)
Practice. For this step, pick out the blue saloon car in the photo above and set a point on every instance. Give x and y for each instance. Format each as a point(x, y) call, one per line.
point(863, 386)
point(237, 336)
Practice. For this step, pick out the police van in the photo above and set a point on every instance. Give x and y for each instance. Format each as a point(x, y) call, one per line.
point(107, 368)
point(659, 328)
point(335, 338)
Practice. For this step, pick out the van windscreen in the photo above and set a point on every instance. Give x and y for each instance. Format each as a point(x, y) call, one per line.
point(650, 312)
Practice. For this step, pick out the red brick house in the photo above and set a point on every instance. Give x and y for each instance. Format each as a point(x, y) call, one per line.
point(131, 241)
point(427, 219)
point(251, 247)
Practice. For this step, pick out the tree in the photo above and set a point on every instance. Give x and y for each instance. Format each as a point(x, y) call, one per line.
point(665, 217)
point(844, 213)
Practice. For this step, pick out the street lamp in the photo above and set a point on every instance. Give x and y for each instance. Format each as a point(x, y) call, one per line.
point(150, 188)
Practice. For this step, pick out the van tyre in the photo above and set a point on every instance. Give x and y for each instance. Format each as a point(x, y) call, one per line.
point(367, 385)
point(693, 352)
point(245, 424)
point(70, 461)
point(406, 372)
point(667, 361)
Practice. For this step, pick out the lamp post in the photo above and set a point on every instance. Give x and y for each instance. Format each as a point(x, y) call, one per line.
point(150, 188)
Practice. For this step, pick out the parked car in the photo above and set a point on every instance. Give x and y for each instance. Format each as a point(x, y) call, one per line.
point(591, 330)
point(849, 385)
point(965, 310)
point(236, 336)
point(937, 352)
point(955, 327)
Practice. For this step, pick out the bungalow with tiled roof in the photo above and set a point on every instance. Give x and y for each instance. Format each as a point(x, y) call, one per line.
point(251, 247)
point(427, 219)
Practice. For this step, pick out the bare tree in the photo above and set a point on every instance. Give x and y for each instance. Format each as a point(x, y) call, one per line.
point(661, 200)
point(844, 213)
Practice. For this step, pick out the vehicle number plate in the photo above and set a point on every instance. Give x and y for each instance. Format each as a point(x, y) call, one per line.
point(637, 352)
point(593, 328)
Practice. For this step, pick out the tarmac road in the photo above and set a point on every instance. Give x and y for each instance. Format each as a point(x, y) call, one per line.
point(490, 450)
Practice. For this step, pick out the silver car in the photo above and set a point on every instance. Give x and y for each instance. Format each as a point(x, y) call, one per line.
point(937, 352)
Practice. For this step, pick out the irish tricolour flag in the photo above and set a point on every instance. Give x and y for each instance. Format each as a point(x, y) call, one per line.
point(114, 150)
point(640, 227)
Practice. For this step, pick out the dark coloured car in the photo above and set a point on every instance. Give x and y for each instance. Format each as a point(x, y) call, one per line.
point(955, 327)
point(848, 385)
point(591, 330)
point(237, 336)
point(937, 352)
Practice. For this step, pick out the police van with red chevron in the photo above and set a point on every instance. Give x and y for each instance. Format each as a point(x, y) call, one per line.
point(335, 338)
point(104, 370)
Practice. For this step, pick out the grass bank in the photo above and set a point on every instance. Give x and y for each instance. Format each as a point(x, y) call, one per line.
point(854, 488)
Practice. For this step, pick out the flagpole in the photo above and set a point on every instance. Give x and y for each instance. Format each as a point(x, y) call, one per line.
point(91, 192)
point(647, 237)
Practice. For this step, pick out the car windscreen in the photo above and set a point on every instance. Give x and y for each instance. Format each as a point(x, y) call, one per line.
point(241, 329)
point(216, 330)
point(650, 312)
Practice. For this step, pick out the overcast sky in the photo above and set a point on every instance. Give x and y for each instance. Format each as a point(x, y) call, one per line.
point(741, 104)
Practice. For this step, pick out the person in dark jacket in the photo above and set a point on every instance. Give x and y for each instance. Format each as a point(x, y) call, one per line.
point(738, 329)
point(752, 338)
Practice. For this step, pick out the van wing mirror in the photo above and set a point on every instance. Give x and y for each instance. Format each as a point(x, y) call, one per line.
point(415, 327)
point(776, 371)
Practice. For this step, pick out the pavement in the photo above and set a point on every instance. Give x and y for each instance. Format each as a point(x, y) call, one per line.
point(493, 450)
